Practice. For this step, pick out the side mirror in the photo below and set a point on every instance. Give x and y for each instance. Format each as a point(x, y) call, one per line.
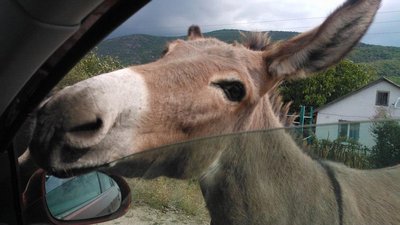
point(90, 198)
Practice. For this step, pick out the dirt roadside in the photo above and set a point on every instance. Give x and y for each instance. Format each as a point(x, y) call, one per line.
point(145, 215)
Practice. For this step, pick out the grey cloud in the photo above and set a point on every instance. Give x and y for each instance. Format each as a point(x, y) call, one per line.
point(172, 17)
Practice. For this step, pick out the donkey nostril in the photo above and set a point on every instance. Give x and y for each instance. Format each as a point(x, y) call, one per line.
point(86, 133)
point(90, 126)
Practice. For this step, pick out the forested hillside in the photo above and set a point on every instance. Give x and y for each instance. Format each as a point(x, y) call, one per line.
point(138, 49)
point(385, 60)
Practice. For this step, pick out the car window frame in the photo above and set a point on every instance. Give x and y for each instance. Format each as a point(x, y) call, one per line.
point(94, 28)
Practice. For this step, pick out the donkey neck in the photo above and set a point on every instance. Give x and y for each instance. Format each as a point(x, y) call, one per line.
point(260, 178)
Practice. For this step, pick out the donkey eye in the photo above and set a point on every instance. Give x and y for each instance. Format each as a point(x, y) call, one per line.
point(234, 90)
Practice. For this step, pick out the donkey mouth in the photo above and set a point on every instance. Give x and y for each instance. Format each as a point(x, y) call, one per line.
point(67, 161)
point(71, 172)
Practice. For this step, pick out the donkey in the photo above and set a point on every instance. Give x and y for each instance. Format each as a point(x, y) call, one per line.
point(203, 87)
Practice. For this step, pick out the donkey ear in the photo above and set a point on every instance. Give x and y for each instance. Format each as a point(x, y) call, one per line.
point(194, 32)
point(323, 46)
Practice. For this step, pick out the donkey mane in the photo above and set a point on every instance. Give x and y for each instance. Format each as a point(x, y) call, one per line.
point(280, 108)
point(256, 41)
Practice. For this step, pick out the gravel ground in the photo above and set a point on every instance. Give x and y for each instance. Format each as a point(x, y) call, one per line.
point(144, 215)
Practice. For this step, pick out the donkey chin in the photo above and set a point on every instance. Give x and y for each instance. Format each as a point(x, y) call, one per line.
point(63, 157)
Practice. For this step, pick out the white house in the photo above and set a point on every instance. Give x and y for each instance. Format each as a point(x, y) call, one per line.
point(355, 107)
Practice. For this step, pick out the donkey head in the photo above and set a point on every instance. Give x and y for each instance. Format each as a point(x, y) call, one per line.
point(199, 87)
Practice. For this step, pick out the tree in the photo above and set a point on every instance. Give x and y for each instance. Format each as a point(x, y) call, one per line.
point(327, 86)
point(386, 151)
point(91, 65)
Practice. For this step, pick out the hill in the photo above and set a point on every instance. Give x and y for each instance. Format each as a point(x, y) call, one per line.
point(139, 49)
point(385, 60)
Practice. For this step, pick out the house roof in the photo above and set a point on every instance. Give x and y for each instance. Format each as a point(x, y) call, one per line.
point(382, 79)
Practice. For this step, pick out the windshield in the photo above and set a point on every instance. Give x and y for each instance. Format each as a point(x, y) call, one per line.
point(280, 153)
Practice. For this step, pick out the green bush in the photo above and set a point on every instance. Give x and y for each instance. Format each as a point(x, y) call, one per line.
point(346, 151)
point(91, 65)
point(386, 152)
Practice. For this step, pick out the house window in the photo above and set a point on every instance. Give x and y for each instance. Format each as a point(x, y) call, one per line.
point(349, 130)
point(382, 98)
point(343, 130)
point(354, 132)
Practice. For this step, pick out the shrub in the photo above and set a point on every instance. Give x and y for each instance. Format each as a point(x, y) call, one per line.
point(346, 151)
point(91, 65)
point(386, 152)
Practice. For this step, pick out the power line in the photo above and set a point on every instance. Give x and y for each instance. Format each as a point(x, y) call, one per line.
point(373, 33)
point(272, 21)
point(388, 11)
point(380, 33)
point(388, 21)
point(291, 19)
point(379, 22)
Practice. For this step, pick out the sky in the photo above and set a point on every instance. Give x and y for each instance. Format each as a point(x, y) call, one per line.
point(173, 17)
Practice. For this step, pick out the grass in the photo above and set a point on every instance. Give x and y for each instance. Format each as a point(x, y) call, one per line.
point(169, 194)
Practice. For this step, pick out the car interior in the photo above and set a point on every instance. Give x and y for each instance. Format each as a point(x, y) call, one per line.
point(38, 47)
